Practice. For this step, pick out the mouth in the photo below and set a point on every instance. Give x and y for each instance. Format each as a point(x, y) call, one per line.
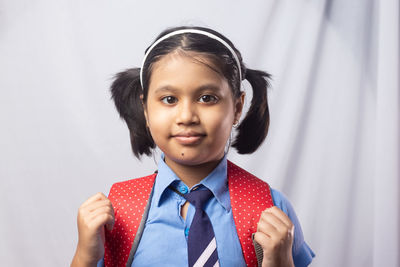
point(188, 138)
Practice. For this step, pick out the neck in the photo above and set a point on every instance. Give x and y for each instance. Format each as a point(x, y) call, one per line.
point(192, 174)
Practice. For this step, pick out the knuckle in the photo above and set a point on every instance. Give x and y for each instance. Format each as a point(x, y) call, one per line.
point(264, 217)
point(258, 237)
point(81, 212)
point(108, 210)
point(105, 216)
point(288, 232)
point(265, 213)
point(284, 232)
point(276, 208)
point(282, 229)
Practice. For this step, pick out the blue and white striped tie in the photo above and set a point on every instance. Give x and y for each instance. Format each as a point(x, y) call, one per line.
point(202, 247)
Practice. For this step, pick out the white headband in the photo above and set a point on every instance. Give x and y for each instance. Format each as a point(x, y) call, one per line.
point(190, 31)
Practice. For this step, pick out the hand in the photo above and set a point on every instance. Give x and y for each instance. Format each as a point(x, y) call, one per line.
point(93, 215)
point(275, 235)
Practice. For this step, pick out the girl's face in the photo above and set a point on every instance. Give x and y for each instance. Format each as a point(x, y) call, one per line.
point(190, 109)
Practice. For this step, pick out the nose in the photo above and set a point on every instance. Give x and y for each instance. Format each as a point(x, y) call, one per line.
point(187, 113)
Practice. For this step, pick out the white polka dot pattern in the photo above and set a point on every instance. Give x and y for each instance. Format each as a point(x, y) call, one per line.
point(129, 200)
point(249, 197)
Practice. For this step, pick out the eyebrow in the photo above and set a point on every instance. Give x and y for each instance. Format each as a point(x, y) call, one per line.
point(172, 89)
point(166, 88)
point(210, 86)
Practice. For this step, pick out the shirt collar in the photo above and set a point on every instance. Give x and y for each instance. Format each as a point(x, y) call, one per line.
point(216, 182)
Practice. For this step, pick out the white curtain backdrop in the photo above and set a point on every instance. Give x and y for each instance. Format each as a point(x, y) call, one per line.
point(334, 141)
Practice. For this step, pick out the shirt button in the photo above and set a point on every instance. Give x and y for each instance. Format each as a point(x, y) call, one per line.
point(187, 232)
point(183, 189)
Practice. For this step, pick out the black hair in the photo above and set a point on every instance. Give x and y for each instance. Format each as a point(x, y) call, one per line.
point(126, 89)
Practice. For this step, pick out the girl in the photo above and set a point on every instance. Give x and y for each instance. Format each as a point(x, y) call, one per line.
point(199, 209)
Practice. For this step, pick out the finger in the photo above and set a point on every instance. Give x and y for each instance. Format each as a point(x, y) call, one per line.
point(110, 225)
point(91, 219)
point(269, 217)
point(102, 220)
point(99, 204)
point(99, 212)
point(95, 197)
point(262, 239)
point(88, 210)
point(281, 228)
point(267, 228)
point(281, 215)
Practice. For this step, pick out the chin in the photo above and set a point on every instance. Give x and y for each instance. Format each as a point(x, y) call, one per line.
point(193, 159)
point(186, 160)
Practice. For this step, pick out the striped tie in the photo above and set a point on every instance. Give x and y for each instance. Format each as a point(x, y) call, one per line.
point(202, 247)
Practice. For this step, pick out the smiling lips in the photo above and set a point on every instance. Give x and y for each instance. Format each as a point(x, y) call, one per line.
point(188, 138)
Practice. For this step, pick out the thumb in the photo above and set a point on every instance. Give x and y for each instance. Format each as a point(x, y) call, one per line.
point(110, 226)
point(111, 220)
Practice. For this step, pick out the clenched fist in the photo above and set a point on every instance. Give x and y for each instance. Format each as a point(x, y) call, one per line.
point(93, 215)
point(275, 235)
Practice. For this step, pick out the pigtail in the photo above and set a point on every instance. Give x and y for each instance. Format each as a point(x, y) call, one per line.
point(254, 128)
point(126, 91)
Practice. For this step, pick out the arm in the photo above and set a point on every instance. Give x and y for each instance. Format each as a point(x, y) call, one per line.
point(275, 233)
point(93, 215)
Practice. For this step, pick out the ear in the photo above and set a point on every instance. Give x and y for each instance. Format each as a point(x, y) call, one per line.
point(144, 110)
point(239, 107)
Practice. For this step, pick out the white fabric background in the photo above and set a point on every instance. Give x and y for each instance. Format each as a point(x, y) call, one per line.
point(333, 147)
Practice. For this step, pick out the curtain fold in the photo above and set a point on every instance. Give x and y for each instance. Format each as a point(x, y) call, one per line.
point(387, 173)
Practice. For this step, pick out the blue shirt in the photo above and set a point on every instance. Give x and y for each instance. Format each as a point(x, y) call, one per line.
point(164, 240)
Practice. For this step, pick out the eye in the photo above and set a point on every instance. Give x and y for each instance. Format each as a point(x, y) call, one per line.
point(169, 100)
point(208, 99)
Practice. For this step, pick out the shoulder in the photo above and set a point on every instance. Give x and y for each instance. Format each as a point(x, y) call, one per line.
point(245, 187)
point(282, 202)
point(135, 182)
point(302, 253)
point(132, 187)
point(239, 175)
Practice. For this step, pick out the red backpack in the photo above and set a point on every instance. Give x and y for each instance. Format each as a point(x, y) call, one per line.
point(131, 201)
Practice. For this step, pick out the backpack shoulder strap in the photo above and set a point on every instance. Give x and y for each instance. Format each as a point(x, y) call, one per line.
point(131, 201)
point(249, 197)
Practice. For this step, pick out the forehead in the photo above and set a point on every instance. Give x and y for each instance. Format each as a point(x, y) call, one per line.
point(184, 68)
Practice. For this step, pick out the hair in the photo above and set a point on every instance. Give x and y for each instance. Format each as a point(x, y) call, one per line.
point(126, 90)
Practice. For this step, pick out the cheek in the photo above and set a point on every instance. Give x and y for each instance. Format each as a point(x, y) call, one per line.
point(155, 112)
point(220, 125)
point(157, 121)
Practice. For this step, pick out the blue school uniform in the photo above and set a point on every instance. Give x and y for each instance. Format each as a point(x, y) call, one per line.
point(164, 239)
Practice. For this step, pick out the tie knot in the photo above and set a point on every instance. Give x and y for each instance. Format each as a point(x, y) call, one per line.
point(198, 197)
